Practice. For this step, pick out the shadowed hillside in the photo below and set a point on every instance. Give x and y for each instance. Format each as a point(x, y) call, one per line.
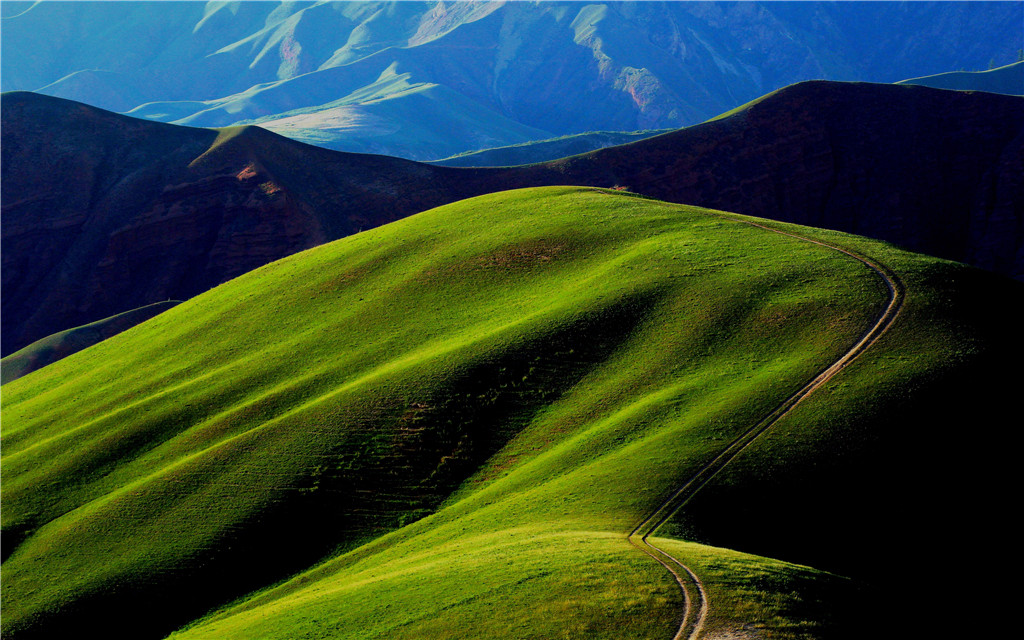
point(103, 213)
point(935, 171)
point(156, 211)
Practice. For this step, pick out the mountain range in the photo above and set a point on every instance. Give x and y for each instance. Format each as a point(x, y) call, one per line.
point(430, 80)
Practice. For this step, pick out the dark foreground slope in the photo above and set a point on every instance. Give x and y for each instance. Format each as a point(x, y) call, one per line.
point(508, 385)
point(104, 213)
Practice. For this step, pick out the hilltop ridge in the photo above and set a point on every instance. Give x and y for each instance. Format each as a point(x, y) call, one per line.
point(157, 211)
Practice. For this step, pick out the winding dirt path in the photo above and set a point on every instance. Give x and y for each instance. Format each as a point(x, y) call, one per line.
point(695, 597)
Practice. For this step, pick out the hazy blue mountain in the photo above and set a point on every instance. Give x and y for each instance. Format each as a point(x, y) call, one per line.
point(426, 80)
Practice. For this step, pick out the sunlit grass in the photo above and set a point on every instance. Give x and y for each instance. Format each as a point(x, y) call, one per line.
point(440, 428)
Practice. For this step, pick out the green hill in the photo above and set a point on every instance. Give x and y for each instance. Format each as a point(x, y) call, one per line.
point(447, 426)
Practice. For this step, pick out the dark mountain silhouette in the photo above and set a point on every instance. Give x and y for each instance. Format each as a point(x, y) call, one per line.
point(939, 172)
point(103, 213)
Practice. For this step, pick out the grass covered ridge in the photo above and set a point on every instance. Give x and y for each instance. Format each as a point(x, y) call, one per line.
point(443, 427)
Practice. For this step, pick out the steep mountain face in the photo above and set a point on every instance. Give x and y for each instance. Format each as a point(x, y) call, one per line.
point(382, 76)
point(104, 213)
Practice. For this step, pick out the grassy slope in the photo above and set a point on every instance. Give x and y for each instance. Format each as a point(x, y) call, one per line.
point(559, 358)
point(62, 344)
point(901, 454)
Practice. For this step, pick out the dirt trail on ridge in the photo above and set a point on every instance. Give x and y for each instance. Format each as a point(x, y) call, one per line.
point(695, 598)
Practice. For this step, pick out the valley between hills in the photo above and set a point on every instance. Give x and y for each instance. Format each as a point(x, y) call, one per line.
point(749, 379)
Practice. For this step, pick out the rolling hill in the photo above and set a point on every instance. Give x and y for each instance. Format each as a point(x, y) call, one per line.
point(105, 213)
point(1008, 79)
point(374, 76)
point(447, 426)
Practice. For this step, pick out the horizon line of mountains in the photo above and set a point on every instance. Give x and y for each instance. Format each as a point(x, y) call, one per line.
point(429, 80)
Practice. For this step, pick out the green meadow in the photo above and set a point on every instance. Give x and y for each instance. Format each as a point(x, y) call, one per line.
point(445, 428)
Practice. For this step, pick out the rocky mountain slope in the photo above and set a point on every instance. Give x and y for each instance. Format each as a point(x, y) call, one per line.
point(103, 213)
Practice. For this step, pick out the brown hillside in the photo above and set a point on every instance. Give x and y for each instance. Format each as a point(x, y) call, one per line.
point(103, 213)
